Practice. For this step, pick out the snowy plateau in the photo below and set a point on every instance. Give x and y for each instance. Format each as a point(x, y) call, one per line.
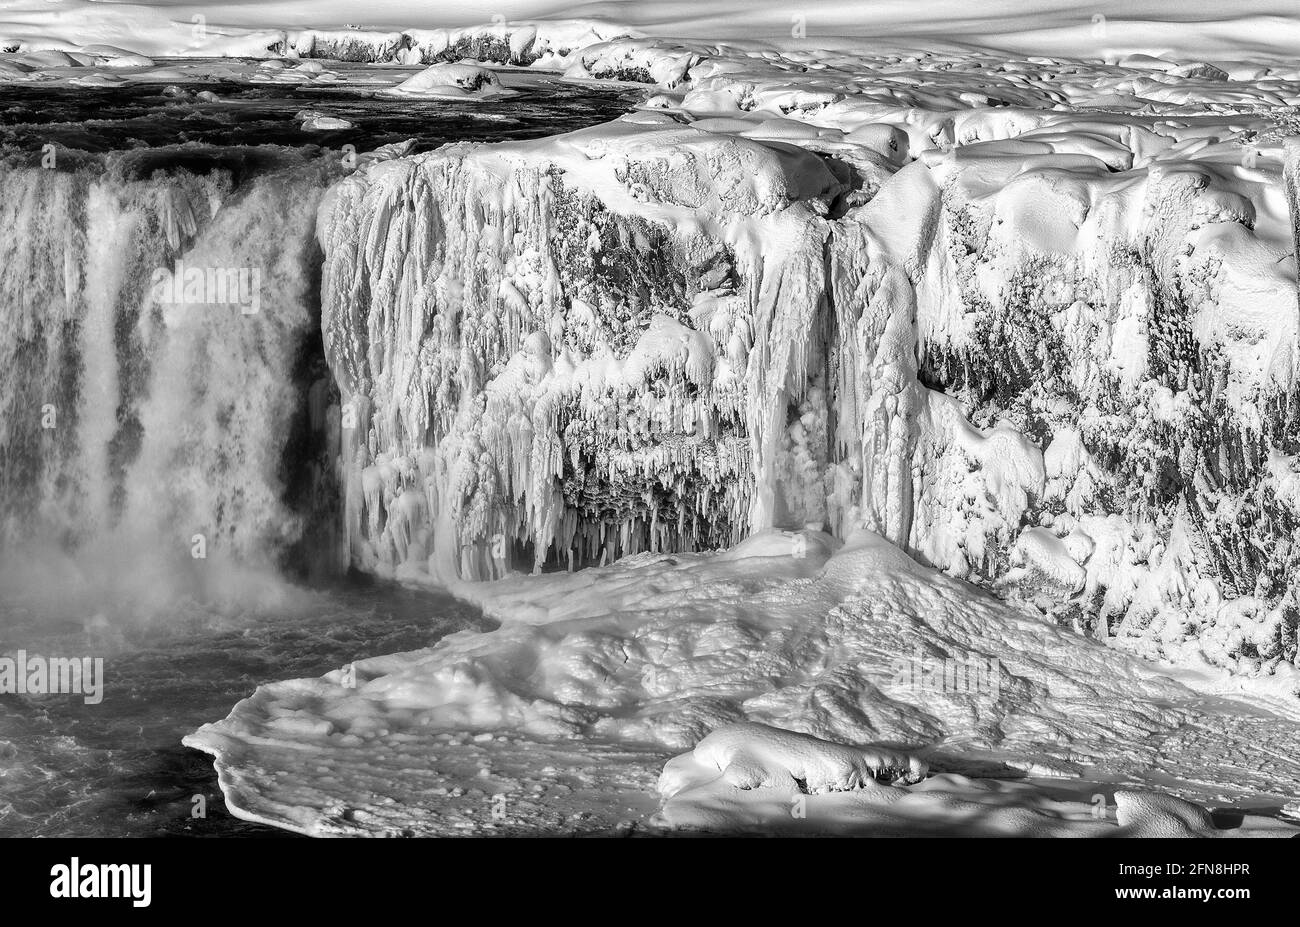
point(882, 434)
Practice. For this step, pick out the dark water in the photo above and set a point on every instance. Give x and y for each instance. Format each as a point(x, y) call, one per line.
point(99, 119)
point(118, 768)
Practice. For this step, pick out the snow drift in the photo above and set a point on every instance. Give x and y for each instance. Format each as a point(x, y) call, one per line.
point(772, 669)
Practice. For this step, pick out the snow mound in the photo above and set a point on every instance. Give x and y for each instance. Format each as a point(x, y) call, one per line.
point(752, 756)
point(1156, 815)
point(761, 790)
point(449, 82)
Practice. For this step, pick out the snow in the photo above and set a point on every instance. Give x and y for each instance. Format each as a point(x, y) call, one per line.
point(949, 203)
point(1003, 270)
point(732, 196)
point(450, 81)
point(1207, 34)
point(771, 667)
point(756, 756)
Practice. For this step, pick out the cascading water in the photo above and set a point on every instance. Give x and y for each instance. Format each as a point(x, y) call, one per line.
point(157, 305)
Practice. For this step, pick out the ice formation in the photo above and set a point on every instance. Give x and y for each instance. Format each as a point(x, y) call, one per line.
point(1038, 344)
point(598, 355)
point(450, 81)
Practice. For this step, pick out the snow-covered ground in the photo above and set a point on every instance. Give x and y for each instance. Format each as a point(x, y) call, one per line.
point(562, 718)
point(914, 408)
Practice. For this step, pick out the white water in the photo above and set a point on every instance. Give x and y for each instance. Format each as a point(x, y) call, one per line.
point(144, 435)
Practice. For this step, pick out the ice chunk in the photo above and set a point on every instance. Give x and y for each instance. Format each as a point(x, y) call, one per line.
point(751, 756)
point(450, 81)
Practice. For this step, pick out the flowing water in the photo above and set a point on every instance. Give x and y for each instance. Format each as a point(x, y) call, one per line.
point(168, 486)
point(116, 767)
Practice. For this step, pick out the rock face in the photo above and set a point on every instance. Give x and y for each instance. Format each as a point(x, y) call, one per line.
point(518, 44)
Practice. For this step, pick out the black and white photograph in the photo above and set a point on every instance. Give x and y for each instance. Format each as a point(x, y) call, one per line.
point(643, 419)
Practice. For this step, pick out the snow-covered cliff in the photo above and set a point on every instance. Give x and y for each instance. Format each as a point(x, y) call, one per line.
point(1126, 342)
point(1038, 337)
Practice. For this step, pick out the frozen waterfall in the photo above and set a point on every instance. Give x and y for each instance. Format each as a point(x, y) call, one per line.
point(1074, 382)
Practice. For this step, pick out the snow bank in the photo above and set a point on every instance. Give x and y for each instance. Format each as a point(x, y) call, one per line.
point(754, 756)
point(766, 785)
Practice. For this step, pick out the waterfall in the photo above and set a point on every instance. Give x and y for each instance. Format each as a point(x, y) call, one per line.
point(161, 390)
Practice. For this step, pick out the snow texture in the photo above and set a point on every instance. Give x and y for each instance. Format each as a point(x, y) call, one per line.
point(760, 666)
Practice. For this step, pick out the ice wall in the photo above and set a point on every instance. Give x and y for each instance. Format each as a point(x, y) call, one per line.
point(1051, 354)
point(567, 351)
point(1127, 344)
point(158, 309)
point(550, 45)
